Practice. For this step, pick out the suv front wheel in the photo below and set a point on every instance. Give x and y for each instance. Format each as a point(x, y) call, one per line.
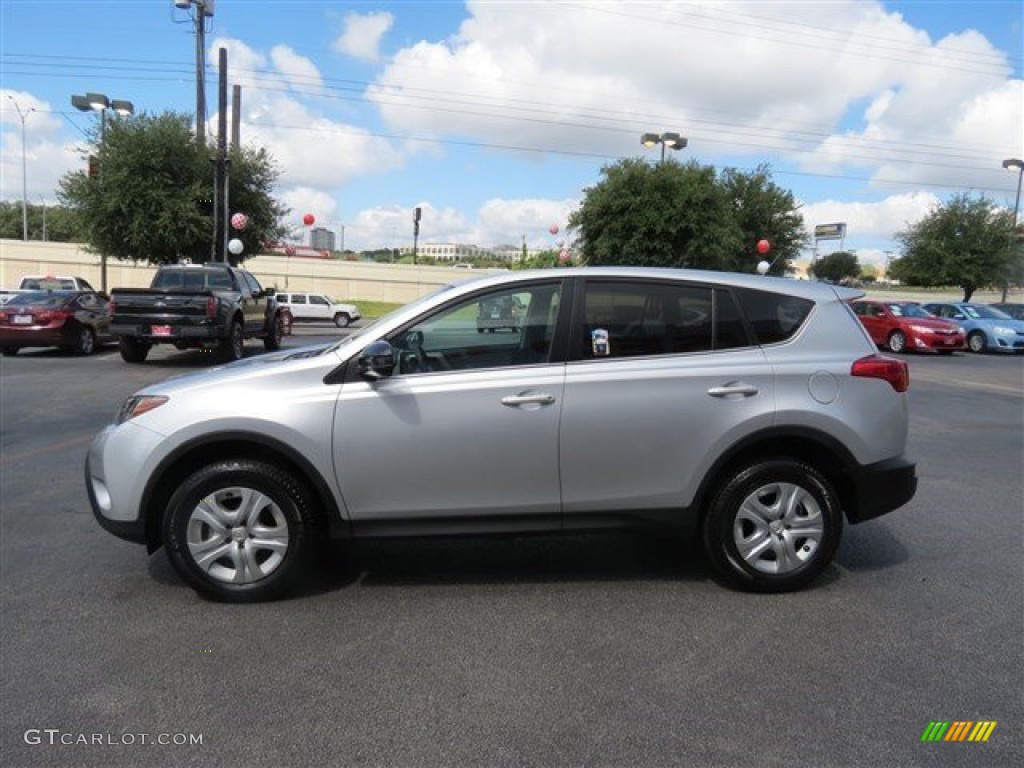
point(774, 526)
point(239, 531)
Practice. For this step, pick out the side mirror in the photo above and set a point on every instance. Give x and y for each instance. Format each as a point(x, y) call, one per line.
point(269, 291)
point(377, 360)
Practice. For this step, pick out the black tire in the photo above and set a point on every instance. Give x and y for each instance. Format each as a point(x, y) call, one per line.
point(897, 342)
point(776, 556)
point(272, 341)
point(342, 320)
point(85, 342)
point(132, 350)
point(210, 540)
point(8, 351)
point(976, 342)
point(232, 346)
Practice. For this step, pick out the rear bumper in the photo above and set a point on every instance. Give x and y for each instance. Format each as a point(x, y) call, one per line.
point(880, 488)
point(36, 337)
point(178, 332)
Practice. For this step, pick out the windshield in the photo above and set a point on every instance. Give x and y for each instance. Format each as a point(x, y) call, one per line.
point(909, 310)
point(40, 299)
point(984, 312)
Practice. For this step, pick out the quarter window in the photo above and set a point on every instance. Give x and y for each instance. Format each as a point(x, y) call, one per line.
point(774, 317)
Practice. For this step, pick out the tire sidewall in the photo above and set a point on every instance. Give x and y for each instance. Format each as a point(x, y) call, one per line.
point(718, 525)
point(897, 341)
point(85, 341)
point(977, 342)
point(288, 494)
point(272, 342)
point(341, 320)
point(233, 345)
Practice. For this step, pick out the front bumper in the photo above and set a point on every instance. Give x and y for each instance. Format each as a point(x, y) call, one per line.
point(119, 460)
point(878, 489)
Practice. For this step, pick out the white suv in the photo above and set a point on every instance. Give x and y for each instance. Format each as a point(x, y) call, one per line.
point(317, 306)
point(755, 412)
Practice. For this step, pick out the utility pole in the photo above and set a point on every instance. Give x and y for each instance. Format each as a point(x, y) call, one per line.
point(416, 216)
point(222, 216)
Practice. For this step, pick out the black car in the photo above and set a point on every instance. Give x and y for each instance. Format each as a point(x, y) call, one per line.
point(75, 321)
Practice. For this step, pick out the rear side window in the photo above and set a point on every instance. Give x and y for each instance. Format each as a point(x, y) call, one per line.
point(774, 317)
point(637, 319)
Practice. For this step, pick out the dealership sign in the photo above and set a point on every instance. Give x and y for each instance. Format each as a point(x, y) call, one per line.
point(830, 231)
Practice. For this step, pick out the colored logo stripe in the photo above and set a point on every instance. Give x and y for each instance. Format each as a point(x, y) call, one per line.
point(982, 730)
point(958, 730)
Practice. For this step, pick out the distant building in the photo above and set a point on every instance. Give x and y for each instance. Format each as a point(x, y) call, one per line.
point(321, 239)
point(457, 252)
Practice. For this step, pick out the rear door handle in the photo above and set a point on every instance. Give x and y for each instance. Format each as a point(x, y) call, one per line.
point(540, 398)
point(734, 389)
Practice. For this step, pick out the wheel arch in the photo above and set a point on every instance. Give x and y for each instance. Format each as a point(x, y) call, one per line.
point(817, 449)
point(198, 453)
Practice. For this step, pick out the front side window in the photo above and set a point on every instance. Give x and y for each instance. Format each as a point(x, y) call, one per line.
point(511, 327)
point(320, 300)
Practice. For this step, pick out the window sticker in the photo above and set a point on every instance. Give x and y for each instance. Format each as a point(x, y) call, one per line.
point(599, 343)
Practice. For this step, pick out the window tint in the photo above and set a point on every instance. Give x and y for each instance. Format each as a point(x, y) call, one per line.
point(283, 298)
point(774, 317)
point(299, 298)
point(462, 336)
point(729, 330)
point(630, 319)
point(254, 285)
point(318, 300)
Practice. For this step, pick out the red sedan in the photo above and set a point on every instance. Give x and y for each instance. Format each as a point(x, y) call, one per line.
point(900, 326)
point(73, 320)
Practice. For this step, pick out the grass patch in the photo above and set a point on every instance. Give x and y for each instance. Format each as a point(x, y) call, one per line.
point(371, 310)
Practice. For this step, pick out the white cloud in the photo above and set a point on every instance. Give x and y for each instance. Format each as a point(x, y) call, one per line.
point(299, 71)
point(46, 157)
point(844, 84)
point(362, 36)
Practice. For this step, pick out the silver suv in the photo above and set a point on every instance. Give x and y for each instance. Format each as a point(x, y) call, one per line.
point(754, 412)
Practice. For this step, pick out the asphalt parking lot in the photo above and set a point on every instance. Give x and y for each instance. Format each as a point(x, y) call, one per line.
point(575, 651)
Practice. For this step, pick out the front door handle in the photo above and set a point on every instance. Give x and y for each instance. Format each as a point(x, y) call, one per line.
point(540, 398)
point(735, 389)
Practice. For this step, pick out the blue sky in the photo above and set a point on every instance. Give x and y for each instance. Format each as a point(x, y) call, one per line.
point(495, 116)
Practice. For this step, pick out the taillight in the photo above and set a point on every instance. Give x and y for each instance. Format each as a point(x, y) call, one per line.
point(896, 372)
point(111, 306)
point(47, 317)
point(211, 307)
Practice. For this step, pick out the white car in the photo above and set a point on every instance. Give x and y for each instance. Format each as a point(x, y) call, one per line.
point(317, 306)
point(53, 283)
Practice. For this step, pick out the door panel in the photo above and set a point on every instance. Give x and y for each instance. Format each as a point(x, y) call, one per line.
point(446, 445)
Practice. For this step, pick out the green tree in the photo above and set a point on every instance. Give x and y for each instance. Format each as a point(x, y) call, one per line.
point(152, 198)
point(962, 242)
point(60, 224)
point(836, 266)
point(685, 215)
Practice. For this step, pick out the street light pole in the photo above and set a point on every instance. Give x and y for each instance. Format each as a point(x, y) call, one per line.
point(99, 102)
point(24, 169)
point(1013, 162)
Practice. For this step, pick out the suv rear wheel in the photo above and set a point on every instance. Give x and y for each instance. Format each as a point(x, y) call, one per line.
point(774, 526)
point(239, 531)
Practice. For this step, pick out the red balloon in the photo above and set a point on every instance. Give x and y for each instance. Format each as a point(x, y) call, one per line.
point(763, 246)
point(308, 219)
point(553, 229)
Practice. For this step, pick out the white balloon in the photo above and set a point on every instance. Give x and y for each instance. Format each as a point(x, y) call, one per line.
point(763, 267)
point(235, 246)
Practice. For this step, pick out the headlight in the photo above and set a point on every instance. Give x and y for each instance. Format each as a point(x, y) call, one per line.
point(921, 329)
point(138, 405)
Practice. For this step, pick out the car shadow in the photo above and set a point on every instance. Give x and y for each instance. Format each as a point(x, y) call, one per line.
point(506, 560)
point(870, 547)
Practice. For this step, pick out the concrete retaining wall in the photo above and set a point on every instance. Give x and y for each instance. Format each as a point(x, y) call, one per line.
point(343, 280)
